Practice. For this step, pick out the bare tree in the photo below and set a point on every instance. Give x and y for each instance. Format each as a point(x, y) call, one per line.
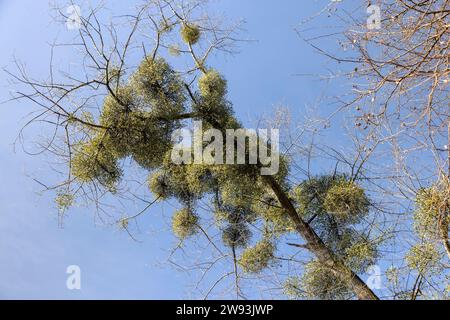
point(394, 56)
point(116, 112)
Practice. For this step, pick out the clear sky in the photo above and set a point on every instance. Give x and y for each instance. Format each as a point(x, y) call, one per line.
point(34, 251)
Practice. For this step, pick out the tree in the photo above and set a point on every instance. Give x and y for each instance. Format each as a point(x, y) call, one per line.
point(128, 98)
point(398, 75)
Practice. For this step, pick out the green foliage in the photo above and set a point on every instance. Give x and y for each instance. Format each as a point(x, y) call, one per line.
point(311, 194)
point(87, 117)
point(64, 200)
point(234, 215)
point(431, 222)
point(159, 185)
point(200, 179)
point(185, 183)
point(332, 195)
point(361, 255)
point(213, 106)
point(165, 26)
point(160, 88)
point(212, 85)
point(257, 258)
point(137, 134)
point(276, 219)
point(292, 288)
point(238, 184)
point(136, 121)
point(283, 172)
point(139, 118)
point(169, 183)
point(95, 160)
point(430, 204)
point(123, 223)
point(424, 258)
point(236, 235)
point(318, 282)
point(335, 204)
point(346, 200)
point(184, 223)
point(190, 33)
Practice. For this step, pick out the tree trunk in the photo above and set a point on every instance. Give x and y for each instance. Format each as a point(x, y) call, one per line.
point(318, 247)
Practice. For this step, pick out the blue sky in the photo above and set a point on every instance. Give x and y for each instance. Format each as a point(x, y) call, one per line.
point(34, 251)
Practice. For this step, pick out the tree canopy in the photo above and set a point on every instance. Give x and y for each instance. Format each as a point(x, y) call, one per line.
point(130, 98)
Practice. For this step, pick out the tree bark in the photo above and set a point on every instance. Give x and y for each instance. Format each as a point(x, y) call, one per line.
point(318, 247)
